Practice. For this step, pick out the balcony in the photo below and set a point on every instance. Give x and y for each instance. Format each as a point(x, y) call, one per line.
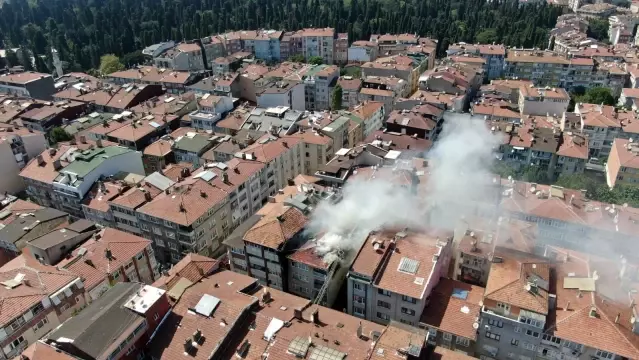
point(257, 261)
point(254, 251)
point(271, 256)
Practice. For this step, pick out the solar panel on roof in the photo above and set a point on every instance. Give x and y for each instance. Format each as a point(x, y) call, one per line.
point(299, 346)
point(207, 305)
point(408, 265)
point(325, 353)
point(460, 294)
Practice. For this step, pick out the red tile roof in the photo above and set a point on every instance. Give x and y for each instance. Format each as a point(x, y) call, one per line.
point(94, 267)
point(454, 308)
point(277, 227)
point(193, 267)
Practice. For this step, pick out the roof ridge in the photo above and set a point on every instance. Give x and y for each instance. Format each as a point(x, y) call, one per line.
point(614, 325)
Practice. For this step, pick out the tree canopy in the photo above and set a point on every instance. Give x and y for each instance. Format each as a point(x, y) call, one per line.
point(84, 30)
point(598, 29)
point(109, 64)
point(316, 60)
point(601, 192)
point(598, 95)
point(336, 97)
point(59, 134)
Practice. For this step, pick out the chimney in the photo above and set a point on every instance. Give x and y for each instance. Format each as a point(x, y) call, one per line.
point(593, 312)
point(285, 144)
point(359, 330)
point(315, 316)
point(297, 313)
point(83, 139)
point(108, 254)
point(57, 165)
point(98, 143)
point(147, 196)
point(617, 318)
point(567, 306)
point(52, 152)
point(40, 160)
point(225, 177)
point(266, 296)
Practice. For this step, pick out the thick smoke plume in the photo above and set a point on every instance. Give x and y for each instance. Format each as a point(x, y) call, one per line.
point(458, 172)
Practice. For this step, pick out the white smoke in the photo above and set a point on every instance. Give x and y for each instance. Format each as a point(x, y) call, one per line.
point(458, 172)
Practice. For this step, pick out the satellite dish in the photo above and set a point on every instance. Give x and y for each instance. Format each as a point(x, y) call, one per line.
point(475, 325)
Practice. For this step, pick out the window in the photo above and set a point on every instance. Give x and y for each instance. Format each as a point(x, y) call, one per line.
point(408, 311)
point(551, 339)
point(358, 311)
point(409, 299)
point(157, 230)
point(144, 226)
point(383, 304)
point(528, 346)
point(383, 292)
point(300, 277)
point(502, 306)
point(159, 242)
point(517, 329)
point(358, 286)
point(64, 307)
point(37, 309)
point(140, 256)
point(131, 350)
point(493, 336)
point(497, 323)
point(462, 341)
point(115, 275)
point(238, 251)
point(40, 324)
point(383, 316)
point(156, 316)
point(604, 354)
point(447, 336)
point(514, 342)
point(531, 322)
point(173, 246)
point(532, 333)
point(16, 343)
point(300, 266)
point(17, 323)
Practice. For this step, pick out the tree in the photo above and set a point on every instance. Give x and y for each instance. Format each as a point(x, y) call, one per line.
point(599, 95)
point(598, 29)
point(316, 60)
point(110, 64)
point(41, 65)
point(299, 58)
point(336, 97)
point(25, 59)
point(134, 58)
point(12, 58)
point(58, 134)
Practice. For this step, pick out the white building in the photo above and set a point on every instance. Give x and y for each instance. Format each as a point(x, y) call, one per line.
point(17, 147)
point(283, 93)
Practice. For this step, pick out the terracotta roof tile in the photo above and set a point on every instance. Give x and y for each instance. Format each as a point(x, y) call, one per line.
point(277, 227)
point(193, 267)
point(454, 308)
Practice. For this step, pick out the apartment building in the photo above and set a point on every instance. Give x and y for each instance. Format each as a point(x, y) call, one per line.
point(174, 81)
point(110, 257)
point(192, 267)
point(319, 81)
point(628, 98)
point(452, 315)
point(399, 87)
point(622, 167)
point(191, 146)
point(454, 103)
point(597, 11)
point(612, 75)
point(554, 152)
point(588, 224)
point(41, 297)
point(407, 145)
point(50, 115)
point(191, 216)
point(267, 45)
point(318, 146)
point(341, 49)
point(116, 326)
point(107, 97)
point(288, 93)
point(334, 125)
point(408, 67)
point(455, 80)
point(28, 84)
point(266, 243)
point(350, 91)
point(156, 49)
point(516, 306)
point(583, 301)
point(61, 177)
point(493, 56)
point(54, 244)
point(544, 68)
point(319, 42)
point(242, 302)
point(137, 131)
point(372, 114)
point(33, 222)
point(282, 157)
point(602, 126)
point(497, 111)
point(362, 51)
point(183, 57)
point(393, 275)
point(423, 121)
point(157, 155)
point(18, 145)
point(543, 101)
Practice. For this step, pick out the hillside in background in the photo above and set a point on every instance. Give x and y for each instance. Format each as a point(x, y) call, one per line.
point(83, 30)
